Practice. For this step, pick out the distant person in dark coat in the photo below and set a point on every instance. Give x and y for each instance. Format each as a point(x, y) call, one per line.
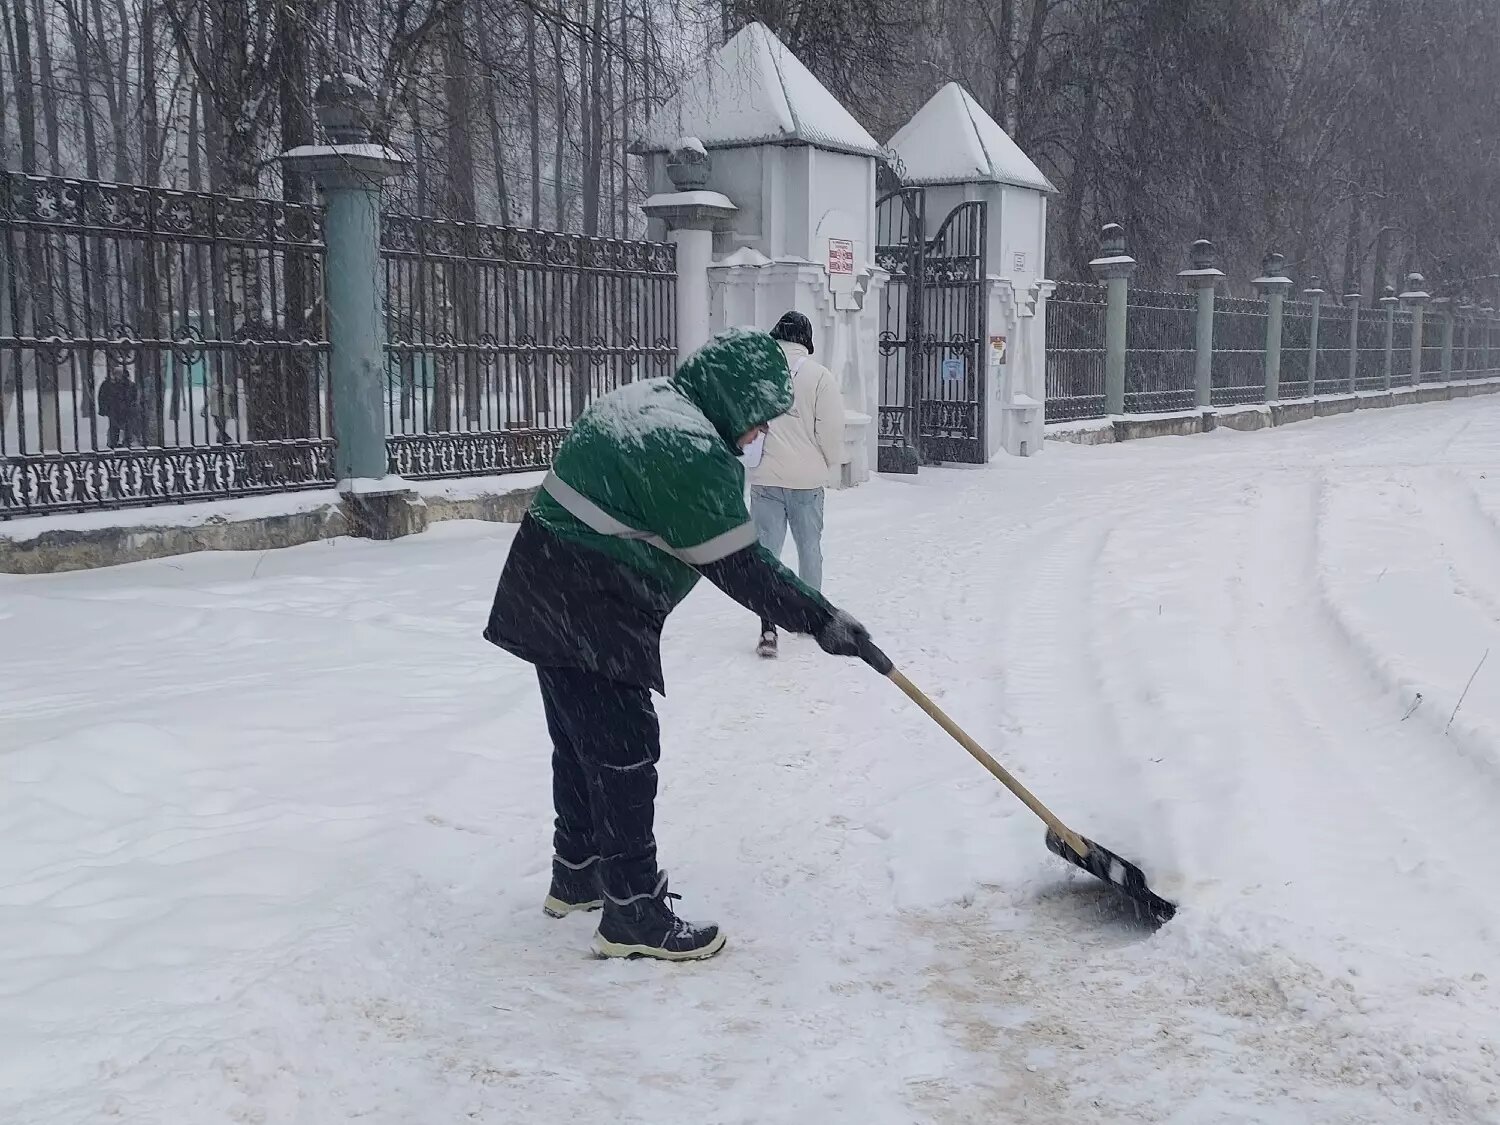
point(119, 402)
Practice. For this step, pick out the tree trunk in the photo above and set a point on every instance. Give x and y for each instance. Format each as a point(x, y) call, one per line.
point(594, 135)
point(78, 33)
point(289, 407)
point(293, 95)
point(560, 127)
point(625, 62)
point(1378, 280)
point(32, 288)
point(460, 204)
point(492, 107)
point(47, 87)
point(534, 113)
point(25, 83)
point(458, 144)
point(1075, 239)
point(116, 87)
point(611, 140)
point(1030, 59)
point(1008, 62)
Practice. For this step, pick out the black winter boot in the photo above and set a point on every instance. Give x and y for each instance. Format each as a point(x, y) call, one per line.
point(573, 887)
point(645, 926)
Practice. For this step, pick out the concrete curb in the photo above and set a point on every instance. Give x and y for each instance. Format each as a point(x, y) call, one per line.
point(1106, 431)
point(49, 551)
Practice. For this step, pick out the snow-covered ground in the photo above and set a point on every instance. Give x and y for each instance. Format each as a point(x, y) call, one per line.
point(274, 828)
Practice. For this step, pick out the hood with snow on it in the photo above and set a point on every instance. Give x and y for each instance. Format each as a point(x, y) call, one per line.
point(739, 379)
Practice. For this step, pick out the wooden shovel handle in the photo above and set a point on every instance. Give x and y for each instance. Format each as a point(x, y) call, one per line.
point(1001, 774)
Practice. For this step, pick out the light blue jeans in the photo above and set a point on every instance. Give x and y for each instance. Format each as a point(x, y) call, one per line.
point(801, 509)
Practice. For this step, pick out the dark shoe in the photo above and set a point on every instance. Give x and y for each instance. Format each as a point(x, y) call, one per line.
point(767, 646)
point(573, 888)
point(646, 927)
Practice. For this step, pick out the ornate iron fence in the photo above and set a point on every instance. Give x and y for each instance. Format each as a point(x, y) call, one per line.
point(157, 346)
point(1369, 370)
point(1296, 348)
point(1159, 342)
point(1404, 323)
point(1335, 326)
point(1482, 350)
point(1433, 326)
point(1075, 351)
point(498, 338)
point(1239, 357)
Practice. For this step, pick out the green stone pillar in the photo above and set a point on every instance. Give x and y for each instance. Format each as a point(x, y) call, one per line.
point(1114, 267)
point(1273, 285)
point(1391, 303)
point(349, 173)
point(1351, 301)
point(1314, 294)
point(1416, 298)
point(1203, 276)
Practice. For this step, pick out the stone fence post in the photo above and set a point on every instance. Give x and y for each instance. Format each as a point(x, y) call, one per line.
point(1351, 301)
point(1391, 303)
point(1415, 298)
point(1273, 285)
point(1315, 294)
point(1114, 267)
point(349, 172)
point(691, 214)
point(1203, 276)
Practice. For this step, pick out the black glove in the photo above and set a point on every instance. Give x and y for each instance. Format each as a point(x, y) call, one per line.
point(842, 635)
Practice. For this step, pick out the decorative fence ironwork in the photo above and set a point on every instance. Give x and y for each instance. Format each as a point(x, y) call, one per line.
point(1075, 351)
point(1239, 357)
point(498, 338)
point(1159, 343)
point(157, 346)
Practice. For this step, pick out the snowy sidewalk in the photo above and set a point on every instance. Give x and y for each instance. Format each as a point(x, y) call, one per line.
point(276, 826)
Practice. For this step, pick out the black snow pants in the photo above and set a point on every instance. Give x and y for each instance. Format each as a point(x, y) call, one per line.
point(605, 745)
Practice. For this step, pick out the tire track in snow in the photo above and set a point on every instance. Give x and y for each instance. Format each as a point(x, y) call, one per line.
point(1350, 772)
point(1461, 529)
point(1403, 603)
point(1059, 994)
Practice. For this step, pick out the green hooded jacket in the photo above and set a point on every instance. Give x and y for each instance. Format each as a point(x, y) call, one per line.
point(646, 494)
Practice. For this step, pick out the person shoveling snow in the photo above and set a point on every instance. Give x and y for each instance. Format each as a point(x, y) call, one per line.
point(646, 494)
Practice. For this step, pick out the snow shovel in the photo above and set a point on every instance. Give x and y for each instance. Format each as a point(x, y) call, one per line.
point(1078, 850)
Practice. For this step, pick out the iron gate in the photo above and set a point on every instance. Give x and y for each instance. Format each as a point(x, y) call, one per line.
point(932, 400)
point(899, 247)
point(952, 387)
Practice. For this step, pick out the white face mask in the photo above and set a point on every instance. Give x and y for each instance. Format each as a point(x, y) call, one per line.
point(752, 452)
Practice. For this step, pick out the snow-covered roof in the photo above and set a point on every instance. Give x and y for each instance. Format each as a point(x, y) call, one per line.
point(755, 91)
point(952, 140)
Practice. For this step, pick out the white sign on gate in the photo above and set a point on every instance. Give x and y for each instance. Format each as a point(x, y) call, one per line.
point(840, 256)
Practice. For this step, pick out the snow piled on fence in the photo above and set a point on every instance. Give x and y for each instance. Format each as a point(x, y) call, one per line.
point(276, 825)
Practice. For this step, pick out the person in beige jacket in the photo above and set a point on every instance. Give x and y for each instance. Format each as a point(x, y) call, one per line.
point(801, 455)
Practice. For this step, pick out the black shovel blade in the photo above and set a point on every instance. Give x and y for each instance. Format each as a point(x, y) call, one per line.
point(1119, 873)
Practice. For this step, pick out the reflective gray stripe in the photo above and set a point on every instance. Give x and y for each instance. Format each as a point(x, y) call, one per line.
point(654, 892)
point(597, 519)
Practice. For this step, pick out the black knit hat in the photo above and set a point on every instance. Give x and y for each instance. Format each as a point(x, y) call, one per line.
point(794, 328)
